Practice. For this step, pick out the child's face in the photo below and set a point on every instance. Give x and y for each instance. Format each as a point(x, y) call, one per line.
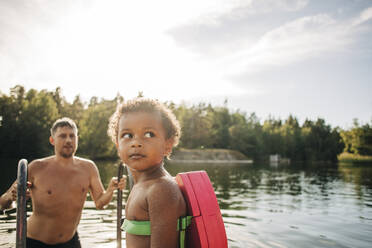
point(141, 142)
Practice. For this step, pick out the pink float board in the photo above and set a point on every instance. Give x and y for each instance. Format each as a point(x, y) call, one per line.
point(207, 229)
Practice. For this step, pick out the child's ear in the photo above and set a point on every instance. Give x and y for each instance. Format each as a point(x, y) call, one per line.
point(168, 146)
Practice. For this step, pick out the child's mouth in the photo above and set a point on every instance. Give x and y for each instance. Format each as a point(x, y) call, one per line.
point(136, 156)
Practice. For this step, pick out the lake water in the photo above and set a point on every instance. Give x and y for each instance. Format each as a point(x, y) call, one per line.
point(294, 205)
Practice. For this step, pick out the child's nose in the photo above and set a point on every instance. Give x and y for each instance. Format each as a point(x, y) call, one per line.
point(136, 142)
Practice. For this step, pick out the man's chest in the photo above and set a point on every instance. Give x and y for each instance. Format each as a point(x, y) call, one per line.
point(60, 185)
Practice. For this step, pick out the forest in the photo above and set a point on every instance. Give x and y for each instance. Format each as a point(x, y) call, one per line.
point(26, 117)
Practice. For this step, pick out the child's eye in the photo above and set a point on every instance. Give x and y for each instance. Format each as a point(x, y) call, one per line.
point(149, 134)
point(126, 135)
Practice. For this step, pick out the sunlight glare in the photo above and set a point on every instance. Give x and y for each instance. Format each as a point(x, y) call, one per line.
point(125, 45)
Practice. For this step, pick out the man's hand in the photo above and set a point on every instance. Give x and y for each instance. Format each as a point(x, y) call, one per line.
point(114, 184)
point(11, 194)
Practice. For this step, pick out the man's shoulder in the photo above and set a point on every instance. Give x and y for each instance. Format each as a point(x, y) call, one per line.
point(41, 162)
point(84, 161)
point(85, 164)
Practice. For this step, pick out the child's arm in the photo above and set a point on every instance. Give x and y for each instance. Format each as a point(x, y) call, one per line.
point(166, 205)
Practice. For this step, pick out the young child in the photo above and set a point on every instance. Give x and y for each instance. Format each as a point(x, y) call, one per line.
point(144, 132)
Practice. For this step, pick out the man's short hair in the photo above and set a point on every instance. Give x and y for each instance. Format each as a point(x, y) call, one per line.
point(63, 122)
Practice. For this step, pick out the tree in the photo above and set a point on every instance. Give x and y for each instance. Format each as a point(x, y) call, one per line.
point(246, 135)
point(195, 126)
point(95, 142)
point(271, 137)
point(358, 140)
point(27, 117)
point(39, 113)
point(220, 119)
point(291, 135)
point(321, 142)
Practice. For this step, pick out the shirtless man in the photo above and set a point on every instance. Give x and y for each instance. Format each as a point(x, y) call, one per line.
point(59, 186)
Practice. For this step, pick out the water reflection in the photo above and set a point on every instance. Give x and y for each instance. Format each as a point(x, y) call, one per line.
point(294, 205)
point(319, 205)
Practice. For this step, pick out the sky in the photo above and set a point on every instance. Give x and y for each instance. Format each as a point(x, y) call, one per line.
point(308, 58)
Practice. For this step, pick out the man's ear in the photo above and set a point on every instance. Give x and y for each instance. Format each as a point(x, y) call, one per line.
point(51, 140)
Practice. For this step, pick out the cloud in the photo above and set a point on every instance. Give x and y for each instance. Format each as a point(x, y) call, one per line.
point(23, 24)
point(253, 36)
point(291, 42)
point(259, 7)
point(363, 17)
point(237, 9)
point(298, 40)
point(226, 26)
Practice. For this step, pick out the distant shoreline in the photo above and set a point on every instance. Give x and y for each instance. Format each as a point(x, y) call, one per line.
point(249, 161)
point(354, 158)
point(211, 156)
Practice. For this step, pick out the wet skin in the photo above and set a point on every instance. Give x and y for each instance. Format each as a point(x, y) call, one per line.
point(59, 186)
point(155, 196)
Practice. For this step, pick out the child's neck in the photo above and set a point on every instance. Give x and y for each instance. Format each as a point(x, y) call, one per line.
point(153, 173)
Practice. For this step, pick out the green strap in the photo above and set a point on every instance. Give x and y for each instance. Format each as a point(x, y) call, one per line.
point(182, 224)
point(144, 227)
point(137, 227)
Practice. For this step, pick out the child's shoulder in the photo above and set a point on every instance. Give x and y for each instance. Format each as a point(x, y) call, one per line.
point(165, 183)
point(164, 193)
point(164, 187)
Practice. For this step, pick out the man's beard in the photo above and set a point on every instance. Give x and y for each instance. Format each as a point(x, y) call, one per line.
point(67, 154)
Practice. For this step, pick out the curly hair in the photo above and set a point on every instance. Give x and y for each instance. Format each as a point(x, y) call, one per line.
point(169, 121)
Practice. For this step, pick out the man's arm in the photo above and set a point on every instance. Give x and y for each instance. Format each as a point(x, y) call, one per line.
point(100, 196)
point(9, 196)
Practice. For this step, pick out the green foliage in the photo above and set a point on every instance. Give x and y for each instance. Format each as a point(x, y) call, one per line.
point(28, 115)
point(320, 141)
point(358, 140)
point(291, 134)
point(271, 137)
point(346, 157)
point(221, 122)
point(195, 124)
point(27, 118)
point(246, 135)
point(94, 141)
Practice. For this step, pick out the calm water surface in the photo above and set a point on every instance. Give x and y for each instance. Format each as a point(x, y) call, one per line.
point(262, 206)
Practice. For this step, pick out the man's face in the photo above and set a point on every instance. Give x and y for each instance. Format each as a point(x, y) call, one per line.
point(65, 141)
